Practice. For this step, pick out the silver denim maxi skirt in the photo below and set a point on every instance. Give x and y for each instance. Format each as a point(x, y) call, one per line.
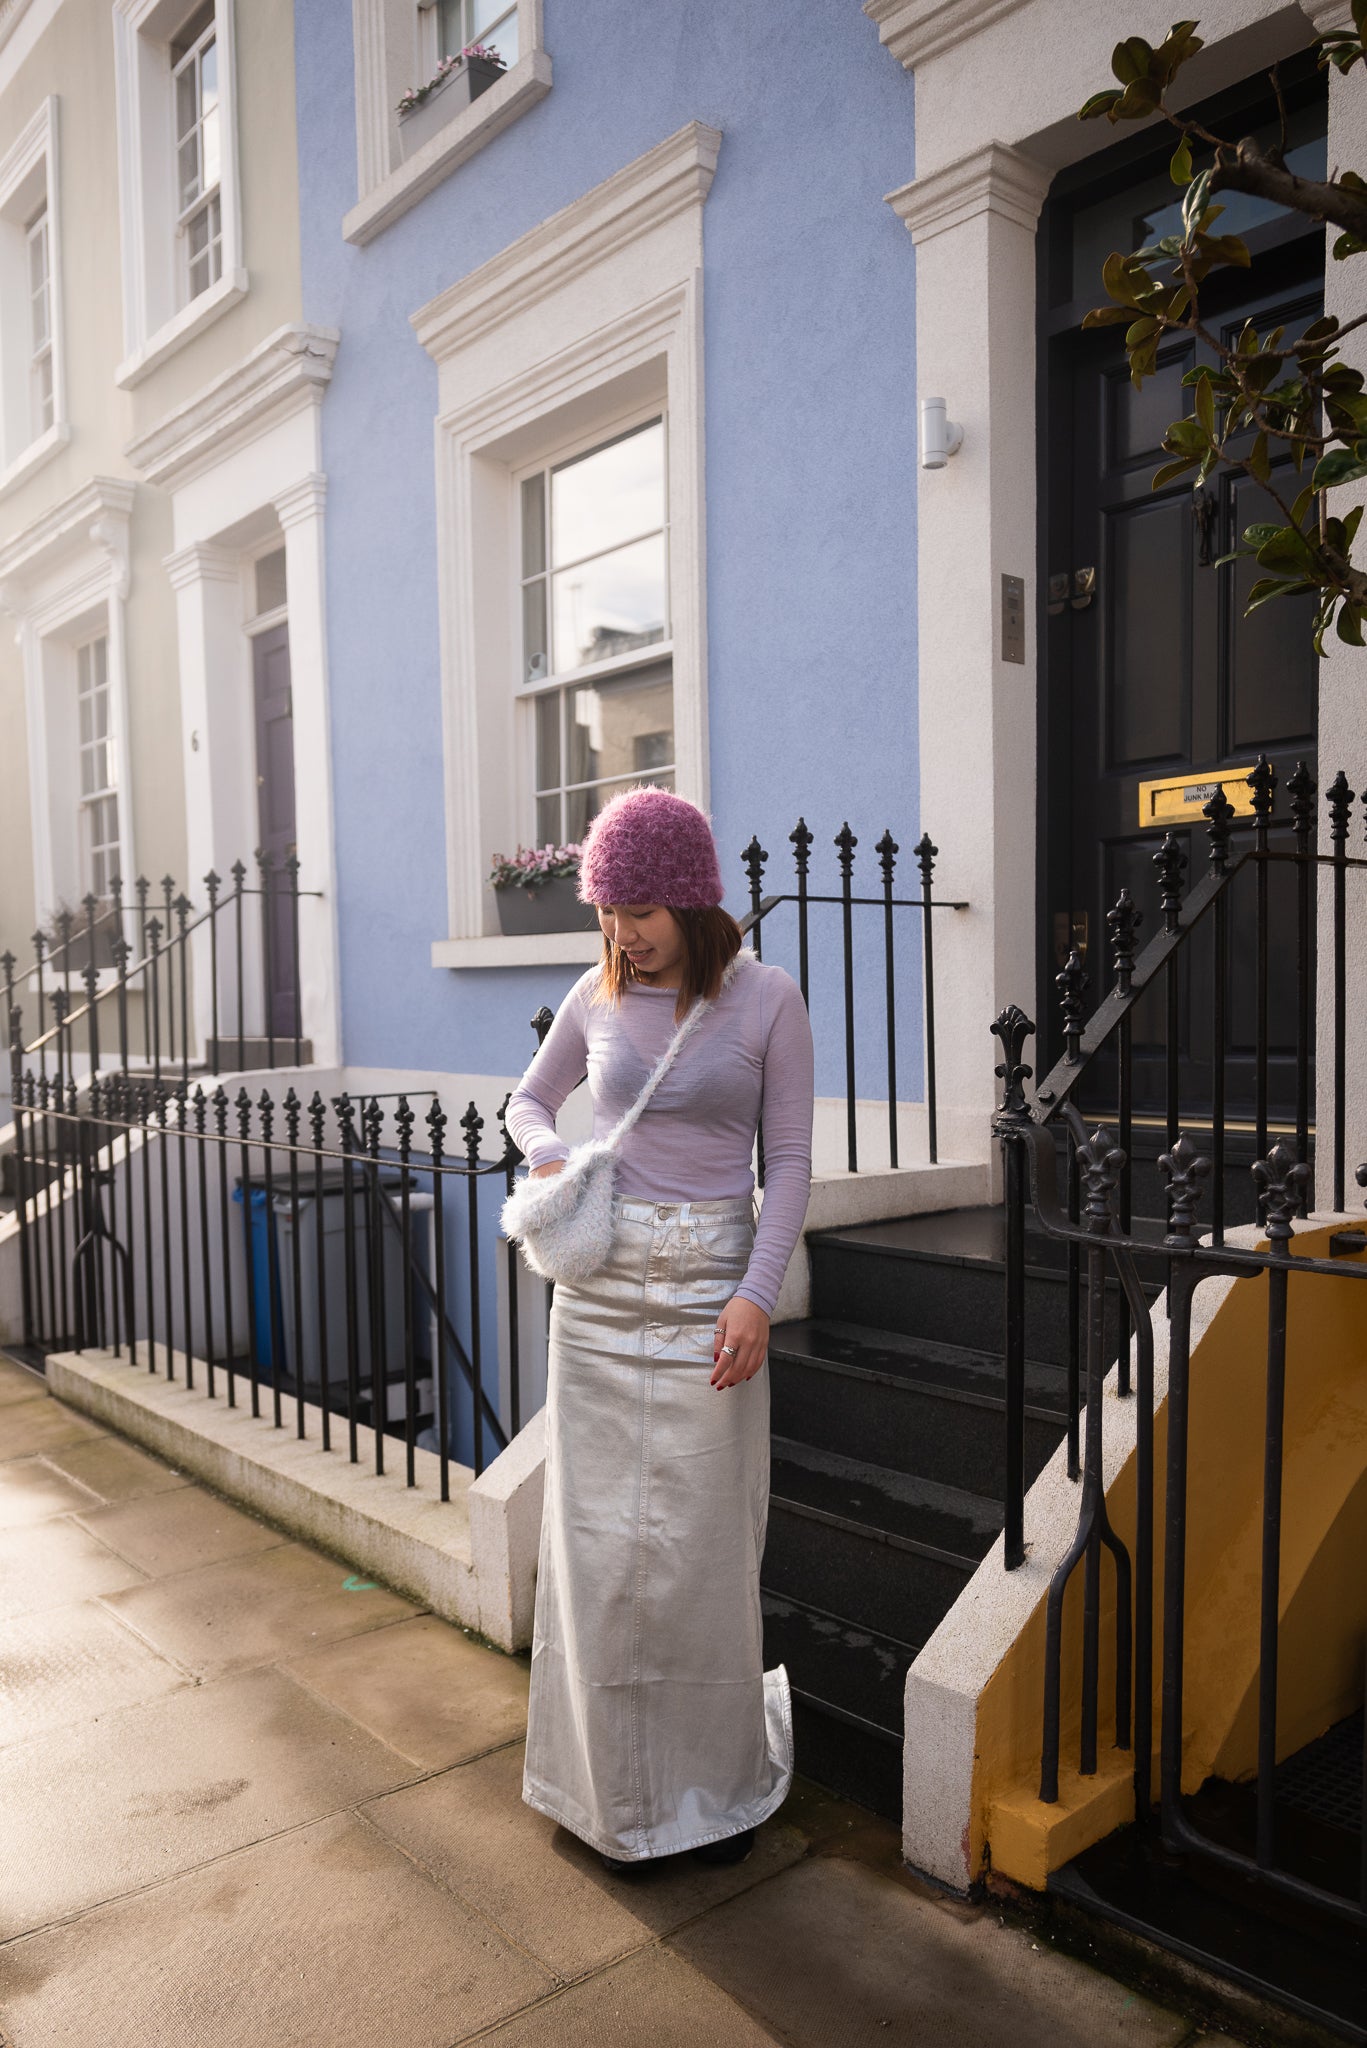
point(652, 1725)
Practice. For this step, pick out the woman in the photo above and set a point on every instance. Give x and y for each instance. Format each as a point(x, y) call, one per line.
point(653, 1727)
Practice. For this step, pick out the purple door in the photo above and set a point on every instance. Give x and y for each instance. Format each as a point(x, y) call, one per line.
point(275, 819)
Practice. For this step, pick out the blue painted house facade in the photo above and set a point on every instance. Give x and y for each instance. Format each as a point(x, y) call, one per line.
point(642, 220)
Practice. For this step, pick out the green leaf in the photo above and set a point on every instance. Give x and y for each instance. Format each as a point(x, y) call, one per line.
point(1194, 204)
point(1099, 103)
point(1339, 466)
point(1347, 245)
point(1225, 249)
point(1269, 587)
point(1179, 170)
point(1171, 471)
point(1352, 521)
point(1302, 506)
point(1131, 59)
point(1108, 316)
point(1349, 627)
point(1256, 536)
point(1186, 437)
point(1141, 330)
point(1205, 407)
point(1286, 551)
point(1119, 281)
point(1143, 97)
point(1257, 459)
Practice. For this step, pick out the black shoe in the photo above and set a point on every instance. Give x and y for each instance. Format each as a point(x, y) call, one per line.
point(731, 1849)
point(616, 1866)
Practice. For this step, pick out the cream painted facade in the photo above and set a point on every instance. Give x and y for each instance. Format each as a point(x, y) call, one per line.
point(186, 444)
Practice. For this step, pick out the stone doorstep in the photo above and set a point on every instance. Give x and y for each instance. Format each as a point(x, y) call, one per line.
point(841, 1197)
point(471, 1560)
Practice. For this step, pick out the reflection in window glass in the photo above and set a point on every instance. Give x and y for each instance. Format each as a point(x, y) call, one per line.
point(194, 61)
point(595, 592)
point(99, 805)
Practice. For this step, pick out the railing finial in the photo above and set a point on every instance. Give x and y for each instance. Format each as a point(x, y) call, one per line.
point(1281, 1179)
point(1220, 813)
point(1072, 982)
point(1012, 1027)
point(1124, 922)
point(1100, 1163)
point(1184, 1168)
point(1171, 863)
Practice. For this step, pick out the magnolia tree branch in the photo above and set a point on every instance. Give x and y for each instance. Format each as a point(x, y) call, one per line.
point(1252, 172)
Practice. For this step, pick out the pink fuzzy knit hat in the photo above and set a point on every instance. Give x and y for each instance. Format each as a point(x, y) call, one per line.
point(650, 846)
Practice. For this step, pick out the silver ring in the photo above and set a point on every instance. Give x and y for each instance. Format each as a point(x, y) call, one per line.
point(729, 1349)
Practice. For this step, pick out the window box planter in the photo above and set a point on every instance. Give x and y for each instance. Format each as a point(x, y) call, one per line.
point(554, 907)
point(461, 86)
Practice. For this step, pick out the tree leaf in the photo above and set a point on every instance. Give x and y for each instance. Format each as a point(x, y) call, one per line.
point(1131, 59)
point(1347, 245)
point(1257, 459)
point(1351, 522)
point(1194, 204)
point(1108, 316)
point(1286, 551)
point(1349, 627)
point(1179, 170)
point(1186, 437)
point(1339, 466)
point(1099, 103)
point(1171, 471)
point(1302, 506)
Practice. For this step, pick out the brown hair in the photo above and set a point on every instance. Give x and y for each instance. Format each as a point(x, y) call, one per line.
point(711, 937)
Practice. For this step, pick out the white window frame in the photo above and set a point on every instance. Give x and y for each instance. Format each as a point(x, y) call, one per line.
point(585, 323)
point(391, 40)
point(29, 187)
point(156, 319)
point(430, 53)
point(525, 693)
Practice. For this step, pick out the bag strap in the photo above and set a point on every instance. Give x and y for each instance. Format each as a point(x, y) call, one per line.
point(671, 1052)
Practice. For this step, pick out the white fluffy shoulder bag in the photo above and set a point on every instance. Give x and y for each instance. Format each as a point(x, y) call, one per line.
point(563, 1221)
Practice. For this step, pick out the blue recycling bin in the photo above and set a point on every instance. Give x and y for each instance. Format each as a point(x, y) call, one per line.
point(265, 1296)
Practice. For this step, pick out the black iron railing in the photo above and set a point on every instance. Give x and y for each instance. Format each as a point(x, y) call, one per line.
point(1115, 1265)
point(886, 903)
point(320, 1259)
point(91, 974)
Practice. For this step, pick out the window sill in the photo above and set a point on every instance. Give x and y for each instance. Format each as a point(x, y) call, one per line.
point(34, 456)
point(465, 133)
point(538, 949)
point(188, 322)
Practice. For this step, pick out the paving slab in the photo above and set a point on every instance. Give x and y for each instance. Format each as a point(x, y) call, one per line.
point(541, 1884)
point(32, 1490)
point(47, 1565)
point(17, 1383)
point(650, 2001)
point(179, 1530)
point(832, 1955)
point(255, 1610)
point(27, 1427)
point(423, 1687)
point(71, 1664)
point(116, 1470)
point(325, 1936)
point(155, 1789)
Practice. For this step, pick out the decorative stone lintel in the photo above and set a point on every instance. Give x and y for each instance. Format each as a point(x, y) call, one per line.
point(289, 369)
point(676, 174)
point(98, 512)
point(994, 179)
point(913, 31)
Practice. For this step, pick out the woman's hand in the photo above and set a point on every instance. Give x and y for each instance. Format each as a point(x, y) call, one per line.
point(744, 1327)
point(551, 1166)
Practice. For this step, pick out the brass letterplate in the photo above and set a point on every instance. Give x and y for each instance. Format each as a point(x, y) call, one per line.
point(1186, 796)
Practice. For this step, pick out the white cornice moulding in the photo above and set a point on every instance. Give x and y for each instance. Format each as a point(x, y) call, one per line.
point(915, 30)
point(995, 179)
point(201, 562)
point(675, 174)
point(301, 501)
point(94, 516)
point(286, 371)
point(1327, 14)
point(12, 13)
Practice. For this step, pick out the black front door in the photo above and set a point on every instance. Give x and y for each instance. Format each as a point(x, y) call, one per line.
point(275, 819)
point(1152, 673)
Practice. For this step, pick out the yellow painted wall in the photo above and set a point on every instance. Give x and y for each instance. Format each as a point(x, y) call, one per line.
point(1323, 1586)
point(74, 59)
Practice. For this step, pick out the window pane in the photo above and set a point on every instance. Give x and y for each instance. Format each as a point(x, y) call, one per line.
point(548, 740)
point(610, 605)
point(450, 28)
point(606, 721)
point(534, 524)
point(582, 805)
point(270, 582)
point(611, 495)
point(209, 148)
point(187, 103)
point(534, 630)
point(495, 30)
point(187, 170)
point(548, 821)
point(88, 783)
point(98, 652)
point(86, 720)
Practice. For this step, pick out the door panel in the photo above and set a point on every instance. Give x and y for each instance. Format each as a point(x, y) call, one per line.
point(275, 815)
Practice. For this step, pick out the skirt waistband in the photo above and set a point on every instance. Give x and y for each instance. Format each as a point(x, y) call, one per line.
point(718, 1209)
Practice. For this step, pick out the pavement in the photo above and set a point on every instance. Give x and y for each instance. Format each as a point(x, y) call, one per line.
point(250, 1797)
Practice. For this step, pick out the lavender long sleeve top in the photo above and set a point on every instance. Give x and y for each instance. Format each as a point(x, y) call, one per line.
point(750, 1057)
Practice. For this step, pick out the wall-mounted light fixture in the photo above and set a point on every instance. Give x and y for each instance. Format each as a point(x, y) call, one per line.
point(941, 436)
